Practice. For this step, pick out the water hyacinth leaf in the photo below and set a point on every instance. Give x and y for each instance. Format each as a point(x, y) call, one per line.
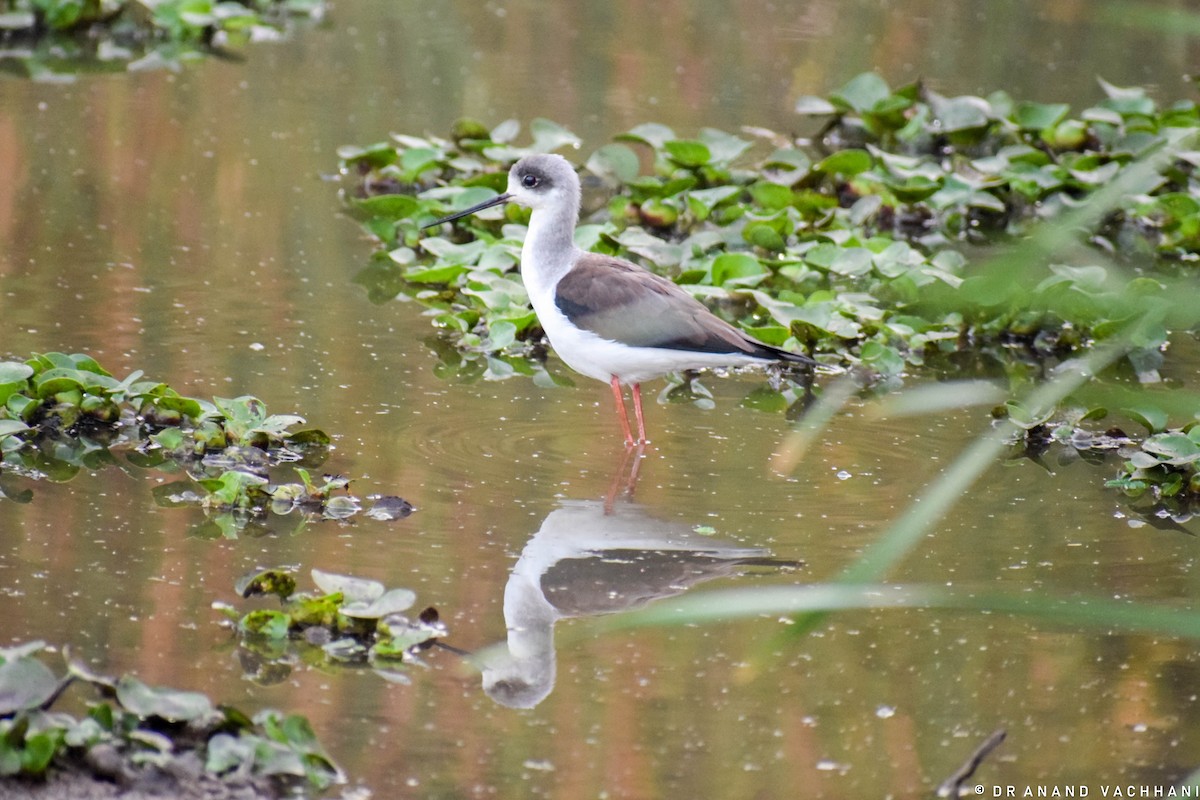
point(184, 406)
point(169, 704)
point(882, 358)
point(436, 273)
point(352, 589)
point(293, 734)
point(658, 213)
point(1173, 448)
point(274, 758)
point(1037, 116)
point(614, 161)
point(403, 635)
point(703, 201)
point(417, 160)
point(688, 152)
point(389, 206)
point(1126, 100)
point(846, 162)
point(650, 247)
point(550, 136)
point(771, 196)
point(960, 114)
point(735, 267)
point(852, 261)
point(235, 489)
point(505, 132)
point(56, 380)
point(12, 427)
point(25, 683)
point(14, 372)
point(1153, 418)
point(811, 105)
point(39, 751)
point(276, 581)
point(305, 611)
point(764, 234)
point(244, 411)
point(309, 438)
point(649, 133)
point(723, 147)
point(863, 93)
point(391, 602)
point(372, 156)
point(266, 622)
point(226, 753)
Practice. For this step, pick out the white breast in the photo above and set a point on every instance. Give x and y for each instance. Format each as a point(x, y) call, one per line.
point(584, 351)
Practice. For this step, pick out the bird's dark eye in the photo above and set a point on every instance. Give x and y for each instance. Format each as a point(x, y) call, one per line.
point(530, 181)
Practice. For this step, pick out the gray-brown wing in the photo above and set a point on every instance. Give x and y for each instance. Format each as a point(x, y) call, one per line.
point(622, 302)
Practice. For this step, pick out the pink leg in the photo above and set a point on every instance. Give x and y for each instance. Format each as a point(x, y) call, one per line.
point(616, 388)
point(637, 412)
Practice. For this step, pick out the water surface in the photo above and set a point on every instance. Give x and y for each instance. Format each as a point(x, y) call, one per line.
point(183, 223)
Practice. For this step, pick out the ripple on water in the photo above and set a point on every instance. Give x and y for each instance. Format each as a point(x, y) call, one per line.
point(555, 435)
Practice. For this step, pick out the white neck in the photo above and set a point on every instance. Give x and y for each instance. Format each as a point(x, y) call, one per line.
point(549, 248)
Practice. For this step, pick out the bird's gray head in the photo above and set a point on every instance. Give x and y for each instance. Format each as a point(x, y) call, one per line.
point(544, 179)
point(537, 181)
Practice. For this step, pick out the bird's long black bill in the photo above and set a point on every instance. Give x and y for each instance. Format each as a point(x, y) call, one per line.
point(495, 201)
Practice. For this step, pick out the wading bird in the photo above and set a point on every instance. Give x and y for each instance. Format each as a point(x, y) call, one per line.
point(606, 317)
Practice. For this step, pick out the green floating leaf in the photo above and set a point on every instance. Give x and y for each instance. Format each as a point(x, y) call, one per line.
point(614, 161)
point(1173, 448)
point(391, 602)
point(14, 372)
point(960, 114)
point(170, 704)
point(353, 589)
point(1153, 418)
point(1037, 116)
point(650, 133)
point(863, 93)
point(25, 683)
point(846, 162)
point(390, 206)
point(735, 267)
point(266, 622)
point(688, 152)
point(550, 136)
point(277, 581)
point(11, 427)
point(810, 105)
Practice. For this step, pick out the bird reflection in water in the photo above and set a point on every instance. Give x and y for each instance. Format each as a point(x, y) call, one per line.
point(590, 558)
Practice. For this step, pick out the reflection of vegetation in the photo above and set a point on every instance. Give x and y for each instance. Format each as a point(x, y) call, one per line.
point(135, 730)
point(349, 621)
point(136, 33)
point(60, 413)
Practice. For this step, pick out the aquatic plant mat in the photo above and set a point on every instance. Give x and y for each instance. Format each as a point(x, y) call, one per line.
point(147, 738)
point(912, 237)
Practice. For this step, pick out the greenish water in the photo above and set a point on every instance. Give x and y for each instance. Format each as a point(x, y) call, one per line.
point(181, 223)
